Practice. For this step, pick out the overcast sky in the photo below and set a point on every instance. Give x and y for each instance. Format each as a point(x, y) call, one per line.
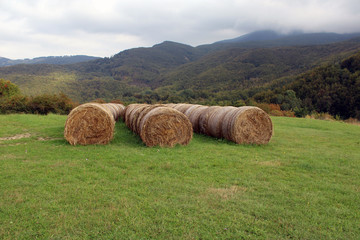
point(34, 28)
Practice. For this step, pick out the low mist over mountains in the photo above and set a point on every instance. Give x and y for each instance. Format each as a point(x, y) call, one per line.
point(265, 38)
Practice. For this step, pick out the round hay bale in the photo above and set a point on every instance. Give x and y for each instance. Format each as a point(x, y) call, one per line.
point(172, 105)
point(128, 111)
point(193, 113)
point(182, 107)
point(249, 125)
point(90, 123)
point(165, 126)
point(115, 109)
point(204, 117)
point(118, 108)
point(215, 121)
point(144, 111)
point(134, 115)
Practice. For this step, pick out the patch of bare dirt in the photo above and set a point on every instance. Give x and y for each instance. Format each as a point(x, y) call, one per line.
point(48, 138)
point(227, 193)
point(16, 137)
point(270, 163)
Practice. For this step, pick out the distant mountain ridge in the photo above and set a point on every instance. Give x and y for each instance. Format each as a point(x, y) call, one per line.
point(47, 60)
point(172, 71)
point(255, 36)
point(268, 37)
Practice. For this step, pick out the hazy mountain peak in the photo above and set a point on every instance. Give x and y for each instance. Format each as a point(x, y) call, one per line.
point(262, 35)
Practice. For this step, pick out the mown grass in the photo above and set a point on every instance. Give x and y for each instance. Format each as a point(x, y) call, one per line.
point(305, 184)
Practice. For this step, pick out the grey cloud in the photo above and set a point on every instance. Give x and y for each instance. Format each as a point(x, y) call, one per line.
point(189, 21)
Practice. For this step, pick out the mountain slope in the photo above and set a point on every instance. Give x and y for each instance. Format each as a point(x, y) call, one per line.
point(240, 68)
point(331, 88)
point(176, 72)
point(264, 35)
point(262, 39)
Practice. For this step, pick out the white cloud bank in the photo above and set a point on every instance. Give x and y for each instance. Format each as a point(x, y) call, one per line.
point(32, 28)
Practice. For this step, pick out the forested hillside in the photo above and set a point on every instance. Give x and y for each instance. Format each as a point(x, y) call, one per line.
point(333, 88)
point(227, 73)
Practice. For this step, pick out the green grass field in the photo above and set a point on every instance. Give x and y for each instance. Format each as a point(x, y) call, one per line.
point(305, 184)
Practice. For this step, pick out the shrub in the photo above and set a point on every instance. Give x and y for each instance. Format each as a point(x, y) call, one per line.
point(14, 104)
point(44, 104)
point(8, 89)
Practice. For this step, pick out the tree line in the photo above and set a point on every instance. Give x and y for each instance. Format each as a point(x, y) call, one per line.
point(12, 101)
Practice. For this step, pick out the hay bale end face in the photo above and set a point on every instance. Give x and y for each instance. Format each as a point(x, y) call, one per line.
point(164, 126)
point(249, 125)
point(92, 123)
point(158, 125)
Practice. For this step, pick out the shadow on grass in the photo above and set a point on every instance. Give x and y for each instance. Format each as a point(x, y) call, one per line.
point(124, 136)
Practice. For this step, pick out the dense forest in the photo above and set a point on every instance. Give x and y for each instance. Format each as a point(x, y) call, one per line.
point(333, 88)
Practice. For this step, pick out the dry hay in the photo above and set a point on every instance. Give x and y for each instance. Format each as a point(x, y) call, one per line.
point(203, 119)
point(249, 125)
point(165, 126)
point(92, 123)
point(142, 114)
point(182, 107)
point(116, 109)
point(172, 105)
point(158, 124)
point(214, 120)
point(128, 111)
point(133, 115)
point(193, 113)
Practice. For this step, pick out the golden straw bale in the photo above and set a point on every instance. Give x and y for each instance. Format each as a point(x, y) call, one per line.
point(165, 126)
point(182, 107)
point(117, 109)
point(134, 115)
point(128, 111)
point(112, 109)
point(215, 121)
point(193, 113)
point(204, 117)
point(144, 111)
point(172, 105)
point(249, 125)
point(90, 123)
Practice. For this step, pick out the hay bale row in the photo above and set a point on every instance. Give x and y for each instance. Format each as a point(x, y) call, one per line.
point(158, 125)
point(242, 125)
point(92, 123)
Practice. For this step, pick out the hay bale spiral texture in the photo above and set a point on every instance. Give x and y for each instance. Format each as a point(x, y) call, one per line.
point(194, 113)
point(249, 125)
point(242, 125)
point(158, 125)
point(116, 109)
point(92, 123)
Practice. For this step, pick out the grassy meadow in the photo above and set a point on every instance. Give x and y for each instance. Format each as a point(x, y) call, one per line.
point(305, 184)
